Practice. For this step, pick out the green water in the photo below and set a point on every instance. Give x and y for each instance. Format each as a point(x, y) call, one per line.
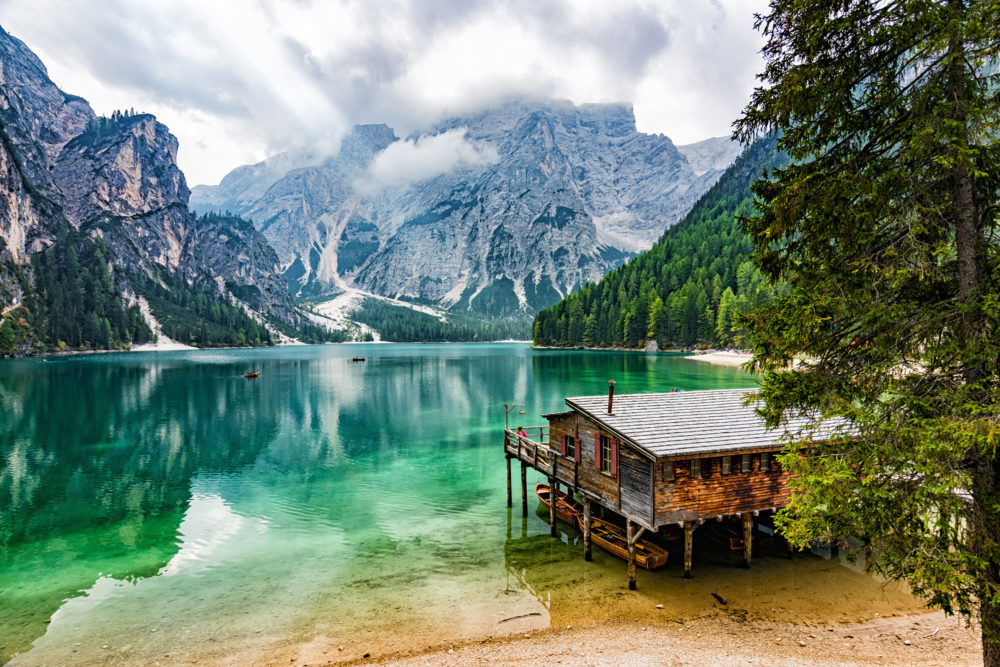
point(159, 506)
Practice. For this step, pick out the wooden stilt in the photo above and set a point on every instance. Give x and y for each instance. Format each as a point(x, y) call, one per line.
point(510, 496)
point(689, 527)
point(747, 538)
point(553, 490)
point(630, 531)
point(524, 489)
point(586, 529)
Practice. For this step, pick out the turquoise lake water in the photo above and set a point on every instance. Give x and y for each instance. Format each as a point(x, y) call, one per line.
point(160, 507)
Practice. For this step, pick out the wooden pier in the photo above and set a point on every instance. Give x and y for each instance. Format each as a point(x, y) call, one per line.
point(660, 463)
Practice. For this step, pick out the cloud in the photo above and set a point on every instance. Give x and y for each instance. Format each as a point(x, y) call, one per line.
point(426, 157)
point(238, 80)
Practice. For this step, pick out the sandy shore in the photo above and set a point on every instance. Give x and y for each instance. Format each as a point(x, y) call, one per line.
point(723, 358)
point(927, 639)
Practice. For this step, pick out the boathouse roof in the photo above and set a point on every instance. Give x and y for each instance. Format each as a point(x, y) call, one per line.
point(696, 422)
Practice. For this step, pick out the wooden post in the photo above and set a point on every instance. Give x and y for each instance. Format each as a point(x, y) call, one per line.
point(747, 538)
point(630, 531)
point(553, 489)
point(524, 489)
point(689, 527)
point(510, 497)
point(586, 529)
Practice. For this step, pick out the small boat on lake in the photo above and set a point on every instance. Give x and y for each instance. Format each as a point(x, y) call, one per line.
point(252, 374)
point(613, 539)
point(358, 359)
point(568, 508)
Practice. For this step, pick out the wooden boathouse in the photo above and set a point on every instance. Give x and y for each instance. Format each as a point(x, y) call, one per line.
point(661, 462)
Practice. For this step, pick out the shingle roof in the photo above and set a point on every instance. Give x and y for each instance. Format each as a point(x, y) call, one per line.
point(695, 422)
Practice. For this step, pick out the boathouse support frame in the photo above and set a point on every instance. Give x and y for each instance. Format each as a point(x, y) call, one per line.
point(510, 498)
point(587, 555)
point(747, 538)
point(524, 489)
point(553, 500)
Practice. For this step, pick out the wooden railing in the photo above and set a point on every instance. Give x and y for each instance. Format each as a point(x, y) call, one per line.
point(534, 450)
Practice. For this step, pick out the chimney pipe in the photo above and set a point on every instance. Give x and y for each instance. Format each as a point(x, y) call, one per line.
point(611, 395)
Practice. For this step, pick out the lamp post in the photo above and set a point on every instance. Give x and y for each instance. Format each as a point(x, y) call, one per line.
point(507, 407)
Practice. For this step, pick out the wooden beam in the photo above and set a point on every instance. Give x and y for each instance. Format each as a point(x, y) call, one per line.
point(510, 497)
point(553, 490)
point(630, 530)
point(524, 489)
point(638, 534)
point(689, 527)
point(747, 539)
point(586, 529)
point(756, 513)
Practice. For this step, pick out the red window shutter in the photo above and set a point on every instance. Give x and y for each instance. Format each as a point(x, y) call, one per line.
point(577, 454)
point(564, 445)
point(597, 451)
point(614, 457)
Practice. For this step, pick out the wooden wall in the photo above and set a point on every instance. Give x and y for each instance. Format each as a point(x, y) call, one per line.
point(597, 484)
point(713, 494)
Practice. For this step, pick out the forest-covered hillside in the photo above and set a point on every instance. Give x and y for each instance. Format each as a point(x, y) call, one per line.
point(688, 289)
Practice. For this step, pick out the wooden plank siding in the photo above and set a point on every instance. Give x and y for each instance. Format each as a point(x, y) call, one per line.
point(636, 476)
point(714, 494)
point(590, 480)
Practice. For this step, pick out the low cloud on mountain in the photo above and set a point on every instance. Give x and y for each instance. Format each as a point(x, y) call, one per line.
point(423, 158)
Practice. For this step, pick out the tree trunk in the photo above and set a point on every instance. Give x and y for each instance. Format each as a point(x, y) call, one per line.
point(986, 533)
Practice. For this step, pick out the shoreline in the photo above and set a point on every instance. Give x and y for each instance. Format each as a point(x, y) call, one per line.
point(723, 639)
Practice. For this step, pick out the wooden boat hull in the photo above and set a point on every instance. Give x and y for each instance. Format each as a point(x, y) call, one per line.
point(252, 375)
point(613, 539)
point(567, 507)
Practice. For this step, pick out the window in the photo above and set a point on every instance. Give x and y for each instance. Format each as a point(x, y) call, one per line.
point(668, 471)
point(605, 453)
point(695, 468)
point(764, 460)
point(745, 463)
point(570, 447)
point(727, 465)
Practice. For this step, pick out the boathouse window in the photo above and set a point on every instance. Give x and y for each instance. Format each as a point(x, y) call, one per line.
point(668, 471)
point(745, 463)
point(569, 448)
point(726, 465)
point(695, 468)
point(764, 460)
point(605, 453)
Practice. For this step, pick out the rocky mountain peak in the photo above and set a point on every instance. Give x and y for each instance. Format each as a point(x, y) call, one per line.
point(133, 161)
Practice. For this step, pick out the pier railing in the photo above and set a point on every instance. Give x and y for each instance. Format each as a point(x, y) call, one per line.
point(533, 449)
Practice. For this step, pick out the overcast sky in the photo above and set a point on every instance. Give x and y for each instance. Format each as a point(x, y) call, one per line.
point(239, 80)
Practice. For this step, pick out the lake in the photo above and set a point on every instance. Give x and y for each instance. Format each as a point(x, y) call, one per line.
point(161, 507)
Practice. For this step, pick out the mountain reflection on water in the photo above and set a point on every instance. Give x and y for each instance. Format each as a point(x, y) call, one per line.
point(121, 469)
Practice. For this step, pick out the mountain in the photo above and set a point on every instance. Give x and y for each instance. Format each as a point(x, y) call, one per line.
point(495, 214)
point(97, 245)
point(689, 289)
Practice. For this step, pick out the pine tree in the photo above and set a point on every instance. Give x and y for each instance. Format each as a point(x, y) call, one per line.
point(885, 231)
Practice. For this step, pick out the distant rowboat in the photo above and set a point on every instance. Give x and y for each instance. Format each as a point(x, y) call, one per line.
point(358, 359)
point(252, 374)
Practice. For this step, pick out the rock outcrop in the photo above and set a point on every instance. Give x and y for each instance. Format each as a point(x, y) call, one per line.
point(62, 168)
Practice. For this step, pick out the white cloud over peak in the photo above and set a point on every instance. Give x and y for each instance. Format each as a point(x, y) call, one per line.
point(419, 159)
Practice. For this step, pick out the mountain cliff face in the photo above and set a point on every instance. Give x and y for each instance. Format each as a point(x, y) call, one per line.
point(541, 198)
point(70, 180)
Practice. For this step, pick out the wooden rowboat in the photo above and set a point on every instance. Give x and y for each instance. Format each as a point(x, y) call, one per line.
point(252, 374)
point(612, 539)
point(567, 507)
